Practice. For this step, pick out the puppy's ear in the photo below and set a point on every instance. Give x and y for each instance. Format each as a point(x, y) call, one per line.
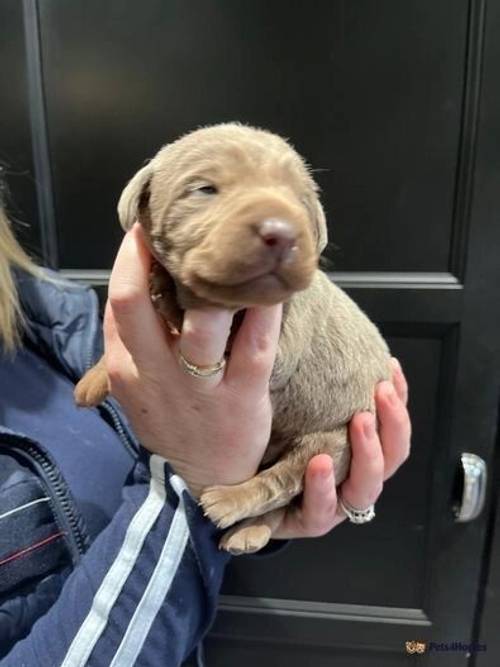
point(317, 215)
point(134, 197)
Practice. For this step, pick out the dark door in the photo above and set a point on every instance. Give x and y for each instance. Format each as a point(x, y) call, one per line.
point(395, 104)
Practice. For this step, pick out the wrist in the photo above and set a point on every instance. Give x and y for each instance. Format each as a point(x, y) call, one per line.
point(199, 477)
point(192, 479)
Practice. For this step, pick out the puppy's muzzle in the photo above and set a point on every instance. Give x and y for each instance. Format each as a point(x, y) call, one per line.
point(259, 252)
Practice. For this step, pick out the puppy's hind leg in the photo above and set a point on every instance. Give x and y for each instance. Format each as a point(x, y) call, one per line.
point(276, 486)
point(251, 535)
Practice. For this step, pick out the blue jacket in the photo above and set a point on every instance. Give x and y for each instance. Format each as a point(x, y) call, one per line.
point(99, 541)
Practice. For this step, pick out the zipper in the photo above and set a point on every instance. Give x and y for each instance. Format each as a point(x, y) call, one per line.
point(125, 436)
point(63, 508)
point(127, 440)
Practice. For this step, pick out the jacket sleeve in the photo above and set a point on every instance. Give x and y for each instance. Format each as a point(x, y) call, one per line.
point(144, 593)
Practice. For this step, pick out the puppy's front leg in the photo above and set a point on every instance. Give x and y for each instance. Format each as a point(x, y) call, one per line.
point(276, 486)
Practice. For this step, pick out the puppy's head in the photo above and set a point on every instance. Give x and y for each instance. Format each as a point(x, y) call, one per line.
point(232, 213)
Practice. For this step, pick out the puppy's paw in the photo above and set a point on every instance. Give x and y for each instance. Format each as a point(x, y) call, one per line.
point(222, 505)
point(245, 539)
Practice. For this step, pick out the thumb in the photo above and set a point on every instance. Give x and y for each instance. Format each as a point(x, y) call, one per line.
point(135, 318)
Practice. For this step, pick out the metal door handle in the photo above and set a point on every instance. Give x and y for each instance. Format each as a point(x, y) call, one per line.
point(474, 488)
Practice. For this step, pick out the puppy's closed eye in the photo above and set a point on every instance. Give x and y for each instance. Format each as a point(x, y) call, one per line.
point(203, 189)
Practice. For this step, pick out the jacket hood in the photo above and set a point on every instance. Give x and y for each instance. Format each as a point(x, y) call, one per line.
point(62, 320)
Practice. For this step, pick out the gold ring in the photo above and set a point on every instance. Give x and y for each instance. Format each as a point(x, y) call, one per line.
point(200, 371)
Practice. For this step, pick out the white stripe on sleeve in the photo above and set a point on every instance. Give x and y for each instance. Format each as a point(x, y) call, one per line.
point(157, 588)
point(112, 584)
point(25, 506)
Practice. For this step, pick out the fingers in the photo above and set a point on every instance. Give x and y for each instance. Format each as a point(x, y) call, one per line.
point(203, 340)
point(399, 381)
point(136, 321)
point(319, 503)
point(317, 514)
point(366, 476)
point(374, 459)
point(254, 349)
point(394, 429)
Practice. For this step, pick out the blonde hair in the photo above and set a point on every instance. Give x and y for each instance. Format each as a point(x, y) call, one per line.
point(11, 256)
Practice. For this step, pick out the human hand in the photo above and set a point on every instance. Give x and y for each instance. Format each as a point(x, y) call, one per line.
point(212, 430)
point(375, 458)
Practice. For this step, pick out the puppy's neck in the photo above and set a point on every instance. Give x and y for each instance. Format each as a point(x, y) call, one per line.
point(187, 299)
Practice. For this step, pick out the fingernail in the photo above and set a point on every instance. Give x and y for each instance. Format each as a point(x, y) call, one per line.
point(395, 364)
point(369, 427)
point(389, 392)
point(323, 475)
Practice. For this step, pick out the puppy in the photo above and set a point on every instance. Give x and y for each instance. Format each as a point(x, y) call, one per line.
point(233, 219)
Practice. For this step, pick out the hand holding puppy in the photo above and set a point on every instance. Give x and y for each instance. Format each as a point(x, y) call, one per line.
point(215, 431)
point(212, 430)
point(376, 456)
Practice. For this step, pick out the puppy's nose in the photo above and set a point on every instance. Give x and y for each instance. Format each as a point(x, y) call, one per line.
point(278, 235)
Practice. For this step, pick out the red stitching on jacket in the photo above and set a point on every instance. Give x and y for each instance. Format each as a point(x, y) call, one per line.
point(27, 550)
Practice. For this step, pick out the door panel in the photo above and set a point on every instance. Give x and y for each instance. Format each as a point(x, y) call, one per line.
point(348, 565)
point(372, 98)
point(229, 654)
point(16, 159)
